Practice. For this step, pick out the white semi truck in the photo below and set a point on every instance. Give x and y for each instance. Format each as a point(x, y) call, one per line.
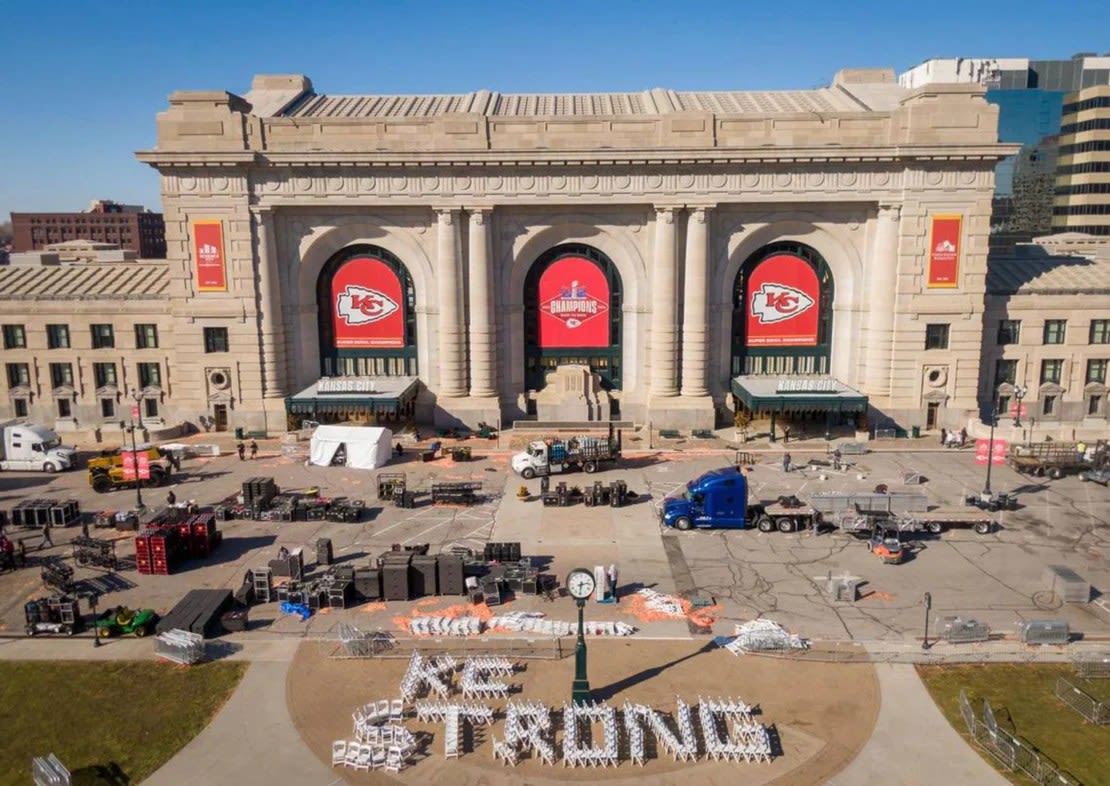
point(551, 456)
point(24, 446)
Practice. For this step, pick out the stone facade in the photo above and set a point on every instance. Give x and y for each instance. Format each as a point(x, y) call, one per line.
point(677, 190)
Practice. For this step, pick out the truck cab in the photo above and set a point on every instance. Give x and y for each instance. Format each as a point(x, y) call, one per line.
point(532, 461)
point(29, 447)
point(717, 499)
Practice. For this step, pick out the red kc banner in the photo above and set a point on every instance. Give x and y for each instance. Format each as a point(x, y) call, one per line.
point(574, 304)
point(983, 447)
point(1018, 410)
point(135, 412)
point(944, 252)
point(783, 303)
point(208, 248)
point(131, 459)
point(368, 305)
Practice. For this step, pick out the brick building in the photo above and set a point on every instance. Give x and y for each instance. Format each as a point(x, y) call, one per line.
point(128, 226)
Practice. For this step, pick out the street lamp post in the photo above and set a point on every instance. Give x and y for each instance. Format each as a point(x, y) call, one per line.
point(580, 689)
point(928, 607)
point(138, 396)
point(990, 444)
point(1019, 394)
point(96, 631)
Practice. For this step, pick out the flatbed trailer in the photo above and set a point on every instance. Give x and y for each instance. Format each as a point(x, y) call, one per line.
point(1054, 459)
point(941, 519)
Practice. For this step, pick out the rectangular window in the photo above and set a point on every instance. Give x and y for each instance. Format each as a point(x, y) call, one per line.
point(1051, 371)
point(1054, 330)
point(215, 339)
point(61, 374)
point(936, 336)
point(146, 336)
point(105, 374)
point(15, 337)
point(150, 407)
point(103, 337)
point(1100, 331)
point(107, 408)
point(21, 407)
point(1096, 372)
point(1009, 331)
point(1003, 405)
point(1005, 372)
point(65, 408)
point(1094, 405)
point(1048, 405)
point(57, 336)
point(150, 375)
point(18, 374)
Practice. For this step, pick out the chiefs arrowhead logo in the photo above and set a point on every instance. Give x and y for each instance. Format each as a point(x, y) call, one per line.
point(778, 302)
point(361, 306)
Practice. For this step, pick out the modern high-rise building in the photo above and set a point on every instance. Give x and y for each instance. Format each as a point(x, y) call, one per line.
point(1083, 172)
point(1030, 95)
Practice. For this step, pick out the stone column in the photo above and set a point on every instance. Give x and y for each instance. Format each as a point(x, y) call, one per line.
point(663, 306)
point(482, 368)
point(269, 304)
point(883, 275)
point(694, 318)
point(452, 365)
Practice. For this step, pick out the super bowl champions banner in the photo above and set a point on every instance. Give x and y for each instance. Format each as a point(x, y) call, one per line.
point(368, 305)
point(574, 305)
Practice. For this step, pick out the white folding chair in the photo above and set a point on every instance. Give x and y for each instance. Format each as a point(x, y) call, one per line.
point(350, 758)
point(393, 762)
point(338, 752)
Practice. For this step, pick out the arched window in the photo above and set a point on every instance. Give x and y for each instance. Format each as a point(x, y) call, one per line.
point(572, 314)
point(367, 314)
point(782, 312)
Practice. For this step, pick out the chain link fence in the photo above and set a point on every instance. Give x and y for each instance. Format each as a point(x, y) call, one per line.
point(1008, 750)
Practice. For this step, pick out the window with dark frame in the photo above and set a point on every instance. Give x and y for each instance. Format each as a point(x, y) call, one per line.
point(1051, 371)
point(1100, 332)
point(103, 337)
point(1094, 404)
point(150, 375)
point(61, 374)
point(104, 374)
point(1009, 331)
point(146, 336)
point(1005, 372)
point(215, 339)
point(150, 407)
point(65, 408)
point(57, 336)
point(19, 374)
point(15, 337)
point(936, 336)
point(1096, 371)
point(107, 408)
point(21, 407)
point(1055, 331)
point(1048, 406)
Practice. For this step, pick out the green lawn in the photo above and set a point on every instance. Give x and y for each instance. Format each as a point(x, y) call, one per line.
point(130, 717)
point(1024, 703)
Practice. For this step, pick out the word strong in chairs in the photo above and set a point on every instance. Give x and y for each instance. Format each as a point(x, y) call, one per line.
point(528, 727)
point(575, 752)
point(477, 677)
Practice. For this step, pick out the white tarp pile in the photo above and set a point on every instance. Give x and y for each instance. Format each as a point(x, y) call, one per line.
point(365, 447)
point(763, 634)
point(663, 604)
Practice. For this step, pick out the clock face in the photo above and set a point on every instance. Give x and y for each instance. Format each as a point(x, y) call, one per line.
point(580, 583)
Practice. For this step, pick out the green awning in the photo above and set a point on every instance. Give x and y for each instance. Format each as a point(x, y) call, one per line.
point(797, 394)
point(370, 395)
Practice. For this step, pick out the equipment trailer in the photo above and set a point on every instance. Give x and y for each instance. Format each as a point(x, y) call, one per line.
point(1054, 459)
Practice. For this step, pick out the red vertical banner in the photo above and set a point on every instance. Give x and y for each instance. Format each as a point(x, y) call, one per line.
point(997, 455)
point(143, 464)
point(368, 305)
point(783, 307)
point(574, 305)
point(208, 250)
point(128, 459)
point(944, 252)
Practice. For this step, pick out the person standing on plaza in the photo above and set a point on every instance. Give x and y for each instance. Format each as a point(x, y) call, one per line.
point(242, 450)
point(254, 449)
point(785, 462)
point(944, 437)
point(785, 434)
point(171, 498)
point(47, 540)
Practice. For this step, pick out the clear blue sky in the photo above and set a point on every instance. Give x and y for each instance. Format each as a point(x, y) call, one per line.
point(83, 81)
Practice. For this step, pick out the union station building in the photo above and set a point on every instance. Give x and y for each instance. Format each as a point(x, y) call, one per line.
point(674, 258)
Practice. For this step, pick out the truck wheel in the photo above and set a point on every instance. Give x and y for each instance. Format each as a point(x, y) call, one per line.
point(1056, 473)
point(101, 484)
point(934, 527)
point(786, 525)
point(104, 632)
point(30, 630)
point(49, 467)
point(159, 477)
point(528, 473)
point(67, 630)
point(765, 524)
point(682, 523)
point(983, 527)
point(590, 467)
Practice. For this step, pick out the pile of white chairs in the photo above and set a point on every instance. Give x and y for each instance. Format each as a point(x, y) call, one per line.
point(436, 711)
point(744, 738)
point(528, 723)
point(475, 677)
point(519, 622)
point(385, 747)
point(661, 603)
point(763, 634)
point(574, 755)
point(375, 714)
point(603, 628)
point(445, 626)
point(428, 673)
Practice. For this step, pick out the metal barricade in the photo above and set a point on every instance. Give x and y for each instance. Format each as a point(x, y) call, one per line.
point(49, 771)
point(1095, 711)
point(1093, 666)
point(179, 646)
point(957, 630)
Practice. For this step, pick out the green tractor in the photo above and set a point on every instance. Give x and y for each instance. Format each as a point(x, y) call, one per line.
point(122, 620)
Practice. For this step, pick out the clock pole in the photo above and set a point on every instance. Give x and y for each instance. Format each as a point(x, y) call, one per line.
point(580, 692)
